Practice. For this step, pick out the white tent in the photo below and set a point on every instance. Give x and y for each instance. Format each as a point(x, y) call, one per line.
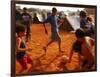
point(74, 21)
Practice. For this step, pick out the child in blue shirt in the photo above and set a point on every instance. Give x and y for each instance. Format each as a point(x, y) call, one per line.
point(52, 19)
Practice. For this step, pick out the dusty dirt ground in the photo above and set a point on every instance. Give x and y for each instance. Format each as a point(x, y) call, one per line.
point(49, 61)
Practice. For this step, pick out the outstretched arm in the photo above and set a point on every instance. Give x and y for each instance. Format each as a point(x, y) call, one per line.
point(70, 56)
point(46, 32)
point(21, 49)
point(46, 21)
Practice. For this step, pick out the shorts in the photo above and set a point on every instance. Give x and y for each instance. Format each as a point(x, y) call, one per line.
point(24, 61)
point(55, 36)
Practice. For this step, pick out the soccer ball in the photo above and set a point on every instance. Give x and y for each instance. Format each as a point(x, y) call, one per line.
point(64, 58)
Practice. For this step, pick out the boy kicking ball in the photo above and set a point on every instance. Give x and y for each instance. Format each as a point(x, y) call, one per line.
point(55, 37)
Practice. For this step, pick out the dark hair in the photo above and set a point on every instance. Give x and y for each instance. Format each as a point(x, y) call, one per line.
point(20, 29)
point(79, 33)
point(54, 9)
point(25, 8)
point(83, 13)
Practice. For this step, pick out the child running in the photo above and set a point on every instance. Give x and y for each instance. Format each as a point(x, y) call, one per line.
point(52, 19)
point(21, 54)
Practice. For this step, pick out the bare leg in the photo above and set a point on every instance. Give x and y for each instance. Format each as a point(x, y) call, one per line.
point(59, 45)
point(50, 42)
point(22, 71)
point(28, 36)
point(31, 68)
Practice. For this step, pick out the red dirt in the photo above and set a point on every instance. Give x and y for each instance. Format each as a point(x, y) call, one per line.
point(52, 58)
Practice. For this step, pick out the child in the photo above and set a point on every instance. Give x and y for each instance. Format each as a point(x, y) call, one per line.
point(83, 46)
point(83, 19)
point(21, 54)
point(35, 19)
point(52, 19)
point(27, 19)
point(91, 26)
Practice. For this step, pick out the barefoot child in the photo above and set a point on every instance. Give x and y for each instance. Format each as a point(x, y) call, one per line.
point(83, 46)
point(21, 54)
point(52, 19)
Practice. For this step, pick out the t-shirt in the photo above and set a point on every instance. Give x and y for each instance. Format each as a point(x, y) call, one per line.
point(53, 21)
point(25, 17)
point(83, 23)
